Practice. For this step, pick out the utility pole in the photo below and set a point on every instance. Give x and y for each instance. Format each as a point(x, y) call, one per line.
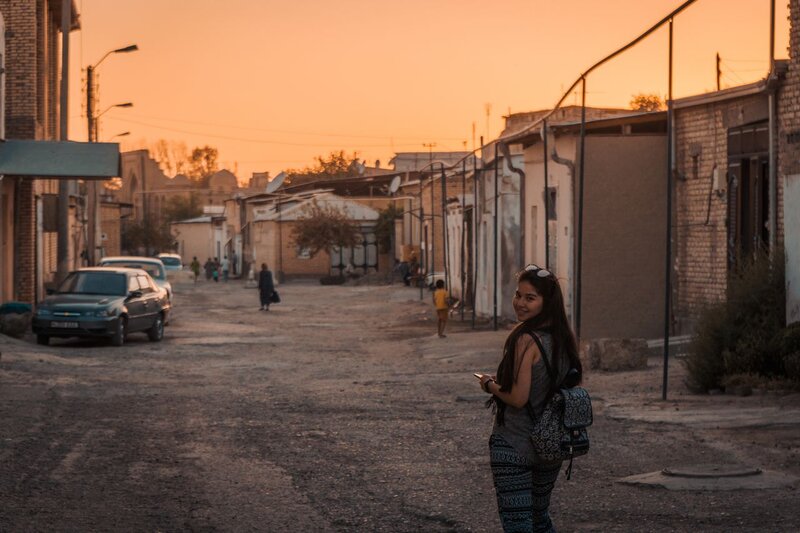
point(62, 252)
point(91, 187)
point(719, 72)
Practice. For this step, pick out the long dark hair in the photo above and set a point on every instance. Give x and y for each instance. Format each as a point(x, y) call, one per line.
point(552, 319)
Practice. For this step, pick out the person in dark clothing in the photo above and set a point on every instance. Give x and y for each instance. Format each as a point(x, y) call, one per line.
point(209, 268)
point(265, 286)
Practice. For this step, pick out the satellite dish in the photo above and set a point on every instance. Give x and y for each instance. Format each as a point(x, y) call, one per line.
point(276, 182)
point(394, 185)
point(360, 167)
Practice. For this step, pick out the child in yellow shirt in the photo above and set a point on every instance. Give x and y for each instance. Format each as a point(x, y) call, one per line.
point(442, 309)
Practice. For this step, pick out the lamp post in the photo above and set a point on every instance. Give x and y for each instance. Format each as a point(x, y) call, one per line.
point(123, 134)
point(91, 122)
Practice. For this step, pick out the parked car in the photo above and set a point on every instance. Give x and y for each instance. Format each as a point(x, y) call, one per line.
point(103, 302)
point(152, 265)
point(171, 261)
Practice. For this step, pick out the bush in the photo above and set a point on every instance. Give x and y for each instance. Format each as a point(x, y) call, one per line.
point(746, 334)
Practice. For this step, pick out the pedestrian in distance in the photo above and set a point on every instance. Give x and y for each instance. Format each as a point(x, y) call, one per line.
point(442, 309)
point(209, 268)
point(194, 266)
point(266, 287)
point(215, 270)
point(519, 392)
point(225, 265)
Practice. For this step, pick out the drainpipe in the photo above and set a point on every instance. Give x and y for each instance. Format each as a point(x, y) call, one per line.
point(571, 169)
point(772, 87)
point(521, 173)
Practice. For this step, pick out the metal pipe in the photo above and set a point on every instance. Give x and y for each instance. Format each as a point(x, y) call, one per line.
point(463, 232)
point(421, 223)
point(62, 250)
point(496, 247)
point(475, 231)
point(579, 251)
point(773, 164)
point(546, 200)
point(446, 249)
point(668, 258)
point(432, 233)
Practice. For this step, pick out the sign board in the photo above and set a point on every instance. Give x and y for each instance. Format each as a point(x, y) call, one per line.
point(59, 159)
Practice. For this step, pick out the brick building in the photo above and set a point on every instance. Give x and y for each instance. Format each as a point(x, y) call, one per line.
point(32, 67)
point(789, 165)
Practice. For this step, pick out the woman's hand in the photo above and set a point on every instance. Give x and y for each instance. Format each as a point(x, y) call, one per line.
point(485, 379)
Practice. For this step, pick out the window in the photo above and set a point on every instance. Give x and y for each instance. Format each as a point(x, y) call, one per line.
point(144, 284)
point(303, 252)
point(133, 284)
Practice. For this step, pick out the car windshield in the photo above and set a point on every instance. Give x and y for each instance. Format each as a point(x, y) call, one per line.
point(170, 261)
point(105, 283)
point(155, 270)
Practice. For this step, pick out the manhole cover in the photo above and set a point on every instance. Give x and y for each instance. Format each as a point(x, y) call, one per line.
point(711, 471)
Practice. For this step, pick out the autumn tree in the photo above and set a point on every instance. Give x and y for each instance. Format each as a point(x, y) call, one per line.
point(203, 163)
point(335, 166)
point(324, 227)
point(172, 156)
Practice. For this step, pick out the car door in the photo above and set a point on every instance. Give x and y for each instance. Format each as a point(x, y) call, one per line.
point(137, 316)
point(150, 297)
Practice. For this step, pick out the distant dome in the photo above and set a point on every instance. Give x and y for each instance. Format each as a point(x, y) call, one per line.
point(223, 180)
point(180, 180)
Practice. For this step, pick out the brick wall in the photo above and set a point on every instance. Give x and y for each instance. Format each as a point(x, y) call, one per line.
point(789, 105)
point(700, 232)
point(31, 108)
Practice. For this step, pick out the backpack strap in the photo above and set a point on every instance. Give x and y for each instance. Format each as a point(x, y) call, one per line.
point(553, 384)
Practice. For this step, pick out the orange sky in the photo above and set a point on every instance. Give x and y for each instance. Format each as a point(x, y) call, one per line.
point(273, 83)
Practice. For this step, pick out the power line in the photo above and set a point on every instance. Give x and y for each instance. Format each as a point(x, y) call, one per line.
point(244, 139)
point(289, 132)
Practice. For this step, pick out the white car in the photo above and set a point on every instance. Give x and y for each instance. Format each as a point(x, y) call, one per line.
point(171, 261)
point(152, 265)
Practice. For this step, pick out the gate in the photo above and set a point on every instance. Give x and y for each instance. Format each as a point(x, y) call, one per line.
point(363, 256)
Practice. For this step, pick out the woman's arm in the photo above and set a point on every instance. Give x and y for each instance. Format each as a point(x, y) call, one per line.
point(525, 355)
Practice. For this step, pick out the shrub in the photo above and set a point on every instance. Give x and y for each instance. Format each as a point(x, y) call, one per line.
point(746, 333)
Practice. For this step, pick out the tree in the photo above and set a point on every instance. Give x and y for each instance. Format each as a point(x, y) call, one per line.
point(336, 166)
point(202, 163)
point(323, 228)
point(172, 156)
point(181, 208)
point(646, 102)
point(147, 237)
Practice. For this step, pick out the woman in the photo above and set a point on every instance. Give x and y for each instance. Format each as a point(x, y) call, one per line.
point(265, 287)
point(519, 392)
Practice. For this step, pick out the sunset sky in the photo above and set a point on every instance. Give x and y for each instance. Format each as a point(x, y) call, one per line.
point(273, 83)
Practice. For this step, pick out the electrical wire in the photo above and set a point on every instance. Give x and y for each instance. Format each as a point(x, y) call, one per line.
point(289, 132)
point(244, 139)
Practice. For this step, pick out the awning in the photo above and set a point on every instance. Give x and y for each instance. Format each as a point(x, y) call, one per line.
point(59, 159)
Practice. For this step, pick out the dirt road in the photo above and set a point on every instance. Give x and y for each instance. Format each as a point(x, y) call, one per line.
point(339, 410)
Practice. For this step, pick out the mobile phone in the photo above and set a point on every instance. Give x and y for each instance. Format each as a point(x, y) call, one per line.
point(479, 376)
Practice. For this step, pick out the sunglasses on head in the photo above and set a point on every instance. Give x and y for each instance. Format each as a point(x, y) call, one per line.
point(539, 271)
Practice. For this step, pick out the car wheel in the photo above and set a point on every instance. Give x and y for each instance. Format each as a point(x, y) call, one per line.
point(44, 340)
point(118, 339)
point(156, 331)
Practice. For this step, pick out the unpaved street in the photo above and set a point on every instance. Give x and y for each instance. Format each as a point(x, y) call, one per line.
point(340, 410)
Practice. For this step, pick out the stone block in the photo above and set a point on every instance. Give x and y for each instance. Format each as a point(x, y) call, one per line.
point(15, 324)
point(617, 354)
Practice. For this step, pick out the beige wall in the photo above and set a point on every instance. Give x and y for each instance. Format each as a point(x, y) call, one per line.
point(111, 227)
point(624, 237)
point(194, 240)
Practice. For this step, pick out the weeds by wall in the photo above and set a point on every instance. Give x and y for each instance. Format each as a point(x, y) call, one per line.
point(746, 334)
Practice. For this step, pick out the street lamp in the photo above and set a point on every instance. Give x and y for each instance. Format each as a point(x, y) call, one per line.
point(93, 235)
point(123, 134)
point(90, 89)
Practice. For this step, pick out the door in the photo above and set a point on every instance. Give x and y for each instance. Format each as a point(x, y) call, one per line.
point(135, 305)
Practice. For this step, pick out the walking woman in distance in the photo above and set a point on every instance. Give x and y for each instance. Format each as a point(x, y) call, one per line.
point(266, 287)
point(519, 391)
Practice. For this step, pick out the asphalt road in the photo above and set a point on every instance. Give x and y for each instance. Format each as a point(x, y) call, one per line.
point(337, 410)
